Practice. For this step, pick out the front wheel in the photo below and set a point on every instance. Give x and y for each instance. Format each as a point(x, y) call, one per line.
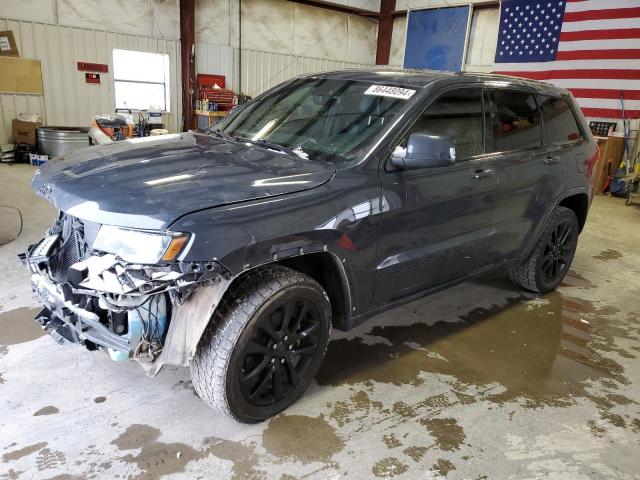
point(551, 258)
point(264, 345)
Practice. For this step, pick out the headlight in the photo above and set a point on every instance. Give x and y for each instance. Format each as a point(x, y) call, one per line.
point(135, 246)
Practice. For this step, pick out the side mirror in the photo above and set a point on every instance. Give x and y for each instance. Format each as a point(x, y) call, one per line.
point(425, 150)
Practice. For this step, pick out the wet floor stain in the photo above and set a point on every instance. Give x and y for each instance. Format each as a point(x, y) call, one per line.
point(49, 459)
point(18, 326)
point(155, 459)
point(301, 438)
point(48, 410)
point(100, 399)
point(68, 476)
point(415, 452)
point(545, 355)
point(608, 254)
point(391, 441)
point(443, 467)
point(243, 458)
point(389, 467)
point(22, 452)
point(185, 385)
point(359, 404)
point(575, 280)
point(446, 432)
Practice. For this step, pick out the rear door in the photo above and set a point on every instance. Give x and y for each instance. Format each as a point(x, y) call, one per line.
point(439, 221)
point(531, 174)
point(562, 137)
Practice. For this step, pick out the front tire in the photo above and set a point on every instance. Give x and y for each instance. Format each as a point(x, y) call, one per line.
point(264, 345)
point(551, 258)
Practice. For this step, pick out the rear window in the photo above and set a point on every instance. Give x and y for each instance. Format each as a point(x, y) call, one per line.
point(560, 124)
point(515, 120)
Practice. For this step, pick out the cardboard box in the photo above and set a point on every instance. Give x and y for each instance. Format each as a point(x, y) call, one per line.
point(8, 45)
point(24, 132)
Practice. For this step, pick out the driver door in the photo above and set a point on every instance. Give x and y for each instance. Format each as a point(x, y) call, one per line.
point(439, 226)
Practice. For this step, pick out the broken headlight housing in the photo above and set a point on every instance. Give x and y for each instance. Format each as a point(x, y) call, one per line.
point(137, 246)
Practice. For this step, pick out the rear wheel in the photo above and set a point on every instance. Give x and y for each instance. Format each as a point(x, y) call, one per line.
point(551, 258)
point(264, 345)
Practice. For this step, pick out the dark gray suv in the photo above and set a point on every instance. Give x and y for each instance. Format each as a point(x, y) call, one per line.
point(324, 201)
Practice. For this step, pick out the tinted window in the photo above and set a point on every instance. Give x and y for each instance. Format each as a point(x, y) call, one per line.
point(515, 120)
point(560, 124)
point(457, 114)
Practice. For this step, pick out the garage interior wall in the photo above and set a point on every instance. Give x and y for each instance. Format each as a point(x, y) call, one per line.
point(280, 40)
point(482, 38)
point(67, 99)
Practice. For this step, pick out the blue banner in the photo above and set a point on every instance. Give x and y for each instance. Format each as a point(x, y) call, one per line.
point(435, 38)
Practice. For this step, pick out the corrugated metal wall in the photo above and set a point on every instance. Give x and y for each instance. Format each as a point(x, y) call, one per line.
point(261, 70)
point(216, 59)
point(67, 99)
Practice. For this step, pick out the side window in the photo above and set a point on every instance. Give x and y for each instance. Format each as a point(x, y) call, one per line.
point(515, 120)
point(559, 122)
point(457, 114)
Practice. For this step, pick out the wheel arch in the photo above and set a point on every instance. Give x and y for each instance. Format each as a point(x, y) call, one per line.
point(326, 269)
point(579, 204)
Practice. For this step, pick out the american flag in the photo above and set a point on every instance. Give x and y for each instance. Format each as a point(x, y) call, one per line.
point(590, 47)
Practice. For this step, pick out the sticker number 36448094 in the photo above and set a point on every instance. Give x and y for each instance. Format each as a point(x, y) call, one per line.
point(387, 91)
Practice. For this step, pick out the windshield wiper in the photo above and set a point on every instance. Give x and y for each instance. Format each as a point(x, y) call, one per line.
point(221, 134)
point(263, 143)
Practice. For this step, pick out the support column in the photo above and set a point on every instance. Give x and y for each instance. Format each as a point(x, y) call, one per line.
point(188, 60)
point(385, 29)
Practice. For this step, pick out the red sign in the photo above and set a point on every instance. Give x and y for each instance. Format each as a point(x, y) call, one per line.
point(93, 67)
point(92, 77)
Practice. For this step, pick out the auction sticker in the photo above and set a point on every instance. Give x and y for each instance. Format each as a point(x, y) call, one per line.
point(393, 92)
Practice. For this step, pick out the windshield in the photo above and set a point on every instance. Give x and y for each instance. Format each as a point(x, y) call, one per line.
point(320, 119)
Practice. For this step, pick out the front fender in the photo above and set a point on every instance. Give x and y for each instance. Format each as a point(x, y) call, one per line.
point(340, 217)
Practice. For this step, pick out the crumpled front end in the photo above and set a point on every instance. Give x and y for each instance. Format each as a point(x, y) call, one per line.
point(97, 300)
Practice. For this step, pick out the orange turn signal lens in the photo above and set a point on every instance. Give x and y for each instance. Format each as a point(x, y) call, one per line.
point(175, 247)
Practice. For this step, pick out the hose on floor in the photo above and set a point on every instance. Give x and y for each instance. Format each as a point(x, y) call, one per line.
point(21, 224)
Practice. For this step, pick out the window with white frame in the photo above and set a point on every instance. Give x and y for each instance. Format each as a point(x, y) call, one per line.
point(141, 80)
point(482, 38)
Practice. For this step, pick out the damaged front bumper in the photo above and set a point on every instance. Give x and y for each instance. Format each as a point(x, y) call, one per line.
point(129, 310)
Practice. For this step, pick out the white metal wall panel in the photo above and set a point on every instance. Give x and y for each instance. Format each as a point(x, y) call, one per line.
point(216, 59)
point(483, 38)
point(67, 99)
point(263, 70)
point(260, 70)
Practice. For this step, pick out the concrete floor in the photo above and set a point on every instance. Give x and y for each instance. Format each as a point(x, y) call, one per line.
point(477, 382)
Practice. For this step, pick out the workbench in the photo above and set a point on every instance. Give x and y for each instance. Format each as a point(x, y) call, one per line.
point(207, 118)
point(611, 156)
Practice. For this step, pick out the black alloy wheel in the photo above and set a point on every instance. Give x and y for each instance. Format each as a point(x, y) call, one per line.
point(550, 260)
point(558, 251)
point(281, 350)
point(264, 345)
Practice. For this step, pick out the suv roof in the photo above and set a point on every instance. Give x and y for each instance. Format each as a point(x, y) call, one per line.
point(422, 78)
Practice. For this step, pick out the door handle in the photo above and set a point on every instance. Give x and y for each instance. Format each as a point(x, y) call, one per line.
point(551, 160)
point(478, 174)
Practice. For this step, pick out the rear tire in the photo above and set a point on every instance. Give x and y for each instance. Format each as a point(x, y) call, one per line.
point(551, 258)
point(264, 344)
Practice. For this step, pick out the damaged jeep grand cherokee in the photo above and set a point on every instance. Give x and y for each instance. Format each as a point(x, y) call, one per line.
point(324, 201)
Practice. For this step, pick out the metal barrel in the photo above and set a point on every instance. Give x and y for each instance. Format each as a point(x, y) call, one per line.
point(54, 141)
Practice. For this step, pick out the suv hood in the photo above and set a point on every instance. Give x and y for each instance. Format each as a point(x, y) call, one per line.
point(150, 182)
